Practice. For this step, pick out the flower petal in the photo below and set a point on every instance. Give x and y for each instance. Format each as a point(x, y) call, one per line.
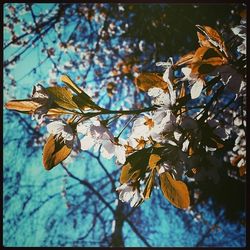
point(87, 142)
point(136, 198)
point(107, 149)
point(55, 127)
point(120, 154)
point(196, 89)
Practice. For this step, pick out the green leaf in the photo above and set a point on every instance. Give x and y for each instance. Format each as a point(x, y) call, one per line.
point(54, 152)
point(62, 97)
point(175, 191)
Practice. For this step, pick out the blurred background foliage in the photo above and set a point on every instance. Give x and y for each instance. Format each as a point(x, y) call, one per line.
point(103, 47)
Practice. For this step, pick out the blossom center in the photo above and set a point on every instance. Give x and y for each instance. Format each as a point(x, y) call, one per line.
point(149, 122)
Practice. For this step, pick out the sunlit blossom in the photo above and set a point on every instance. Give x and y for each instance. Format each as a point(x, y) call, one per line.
point(196, 83)
point(154, 125)
point(97, 135)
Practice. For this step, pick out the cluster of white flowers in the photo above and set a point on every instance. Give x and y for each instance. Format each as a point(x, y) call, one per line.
point(240, 31)
point(158, 126)
point(238, 154)
point(153, 126)
point(96, 134)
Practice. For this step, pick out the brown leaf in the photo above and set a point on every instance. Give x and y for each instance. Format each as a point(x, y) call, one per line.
point(145, 81)
point(72, 85)
point(175, 191)
point(57, 112)
point(149, 185)
point(213, 38)
point(127, 174)
point(186, 59)
point(206, 60)
point(62, 97)
point(24, 106)
point(242, 170)
point(236, 159)
point(190, 150)
point(203, 40)
point(205, 53)
point(136, 165)
point(182, 91)
point(81, 99)
point(54, 152)
point(153, 160)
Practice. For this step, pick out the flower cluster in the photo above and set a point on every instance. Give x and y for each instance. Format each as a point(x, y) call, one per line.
point(170, 141)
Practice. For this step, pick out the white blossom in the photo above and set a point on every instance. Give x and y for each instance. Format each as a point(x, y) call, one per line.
point(129, 193)
point(61, 129)
point(240, 31)
point(97, 135)
point(197, 83)
point(155, 125)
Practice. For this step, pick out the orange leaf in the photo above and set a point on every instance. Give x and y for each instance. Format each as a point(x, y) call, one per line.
point(236, 159)
point(203, 40)
point(186, 59)
point(153, 160)
point(182, 91)
point(24, 106)
point(127, 174)
point(205, 60)
point(213, 38)
point(149, 185)
point(145, 81)
point(58, 111)
point(82, 99)
point(210, 33)
point(54, 152)
point(175, 191)
point(242, 170)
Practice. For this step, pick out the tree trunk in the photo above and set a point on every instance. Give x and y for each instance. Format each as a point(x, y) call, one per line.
point(117, 236)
